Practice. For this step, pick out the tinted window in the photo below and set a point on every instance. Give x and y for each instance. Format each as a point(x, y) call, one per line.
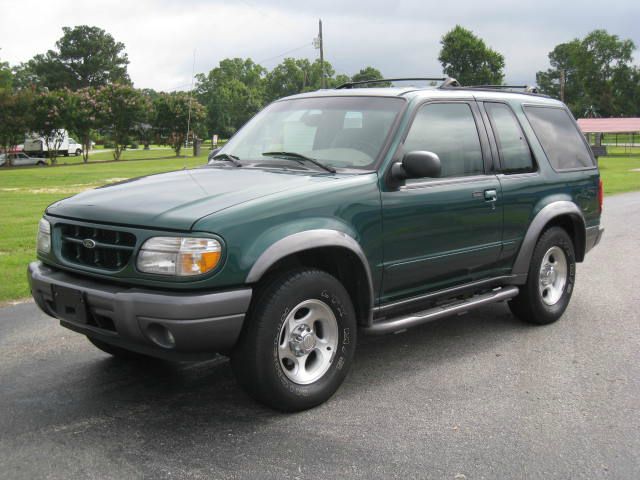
point(560, 138)
point(515, 155)
point(449, 130)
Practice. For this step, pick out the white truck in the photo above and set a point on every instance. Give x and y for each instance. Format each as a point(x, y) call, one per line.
point(36, 146)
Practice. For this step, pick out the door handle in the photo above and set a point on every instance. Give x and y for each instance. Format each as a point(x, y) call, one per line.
point(490, 195)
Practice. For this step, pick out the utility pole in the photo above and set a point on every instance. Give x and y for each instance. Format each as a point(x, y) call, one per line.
point(319, 44)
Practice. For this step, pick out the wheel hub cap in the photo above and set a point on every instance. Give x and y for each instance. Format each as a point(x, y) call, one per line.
point(302, 340)
point(553, 275)
point(308, 341)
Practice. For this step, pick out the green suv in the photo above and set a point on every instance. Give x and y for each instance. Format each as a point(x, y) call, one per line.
point(329, 215)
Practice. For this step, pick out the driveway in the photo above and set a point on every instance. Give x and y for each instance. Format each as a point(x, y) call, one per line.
point(480, 396)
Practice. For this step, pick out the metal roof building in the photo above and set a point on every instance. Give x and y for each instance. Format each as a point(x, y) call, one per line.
point(609, 125)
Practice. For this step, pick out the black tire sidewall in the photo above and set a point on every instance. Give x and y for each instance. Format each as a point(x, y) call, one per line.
point(543, 313)
point(270, 312)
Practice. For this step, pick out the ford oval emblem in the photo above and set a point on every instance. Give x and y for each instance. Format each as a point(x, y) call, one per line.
point(88, 243)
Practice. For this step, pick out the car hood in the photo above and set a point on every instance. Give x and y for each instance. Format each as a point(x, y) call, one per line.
point(176, 200)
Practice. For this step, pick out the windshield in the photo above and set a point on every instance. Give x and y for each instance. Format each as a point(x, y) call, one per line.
point(340, 132)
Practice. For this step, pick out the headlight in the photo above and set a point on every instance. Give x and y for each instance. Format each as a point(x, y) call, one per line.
point(43, 240)
point(181, 256)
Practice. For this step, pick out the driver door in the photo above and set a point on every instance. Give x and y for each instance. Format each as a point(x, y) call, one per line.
point(444, 231)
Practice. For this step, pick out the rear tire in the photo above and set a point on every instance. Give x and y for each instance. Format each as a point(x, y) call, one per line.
point(298, 342)
point(117, 352)
point(545, 296)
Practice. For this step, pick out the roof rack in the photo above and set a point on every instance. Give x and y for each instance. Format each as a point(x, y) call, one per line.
point(526, 88)
point(446, 81)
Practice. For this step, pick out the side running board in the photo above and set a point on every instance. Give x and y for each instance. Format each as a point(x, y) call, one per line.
point(407, 321)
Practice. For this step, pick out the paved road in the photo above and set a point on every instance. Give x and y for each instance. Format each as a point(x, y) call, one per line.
point(480, 396)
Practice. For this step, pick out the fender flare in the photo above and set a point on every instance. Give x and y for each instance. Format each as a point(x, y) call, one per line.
point(539, 222)
point(307, 240)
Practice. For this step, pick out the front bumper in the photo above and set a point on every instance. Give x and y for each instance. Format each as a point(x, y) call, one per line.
point(164, 324)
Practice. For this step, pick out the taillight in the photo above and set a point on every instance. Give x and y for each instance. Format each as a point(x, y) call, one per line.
point(600, 195)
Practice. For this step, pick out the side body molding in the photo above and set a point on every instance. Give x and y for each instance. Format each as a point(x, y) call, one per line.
point(542, 218)
point(305, 241)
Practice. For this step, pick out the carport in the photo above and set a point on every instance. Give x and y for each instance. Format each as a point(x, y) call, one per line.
point(604, 132)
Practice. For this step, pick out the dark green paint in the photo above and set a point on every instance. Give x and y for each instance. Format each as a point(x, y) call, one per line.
point(415, 240)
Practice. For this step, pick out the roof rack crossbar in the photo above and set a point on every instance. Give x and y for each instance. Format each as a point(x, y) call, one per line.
point(526, 88)
point(384, 80)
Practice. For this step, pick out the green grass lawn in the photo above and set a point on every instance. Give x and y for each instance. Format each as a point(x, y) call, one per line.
point(26, 192)
point(617, 172)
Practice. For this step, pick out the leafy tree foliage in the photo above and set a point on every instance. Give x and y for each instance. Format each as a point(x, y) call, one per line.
point(232, 93)
point(50, 113)
point(297, 75)
point(83, 116)
point(172, 118)
point(598, 75)
point(370, 73)
point(121, 106)
point(468, 59)
point(6, 77)
point(84, 57)
point(15, 117)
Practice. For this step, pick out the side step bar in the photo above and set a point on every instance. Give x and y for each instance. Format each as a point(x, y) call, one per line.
point(407, 321)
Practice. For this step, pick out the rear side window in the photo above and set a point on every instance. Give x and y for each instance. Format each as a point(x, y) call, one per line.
point(448, 130)
point(515, 155)
point(560, 138)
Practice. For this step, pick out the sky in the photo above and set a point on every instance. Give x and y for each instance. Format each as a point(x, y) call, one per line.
point(400, 38)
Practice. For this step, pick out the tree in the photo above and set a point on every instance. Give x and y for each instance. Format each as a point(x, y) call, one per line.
point(172, 118)
point(370, 73)
point(122, 106)
point(466, 58)
point(232, 93)
point(84, 57)
point(593, 73)
point(83, 116)
point(15, 117)
point(6, 77)
point(50, 115)
point(294, 76)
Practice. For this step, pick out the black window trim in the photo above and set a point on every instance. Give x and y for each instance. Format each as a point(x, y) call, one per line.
point(575, 125)
point(496, 138)
point(483, 137)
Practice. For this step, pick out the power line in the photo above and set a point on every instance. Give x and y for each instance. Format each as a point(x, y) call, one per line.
point(285, 53)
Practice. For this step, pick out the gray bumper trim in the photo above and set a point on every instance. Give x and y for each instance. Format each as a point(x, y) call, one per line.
point(200, 323)
point(594, 235)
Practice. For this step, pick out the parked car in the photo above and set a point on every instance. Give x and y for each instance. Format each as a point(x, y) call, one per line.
point(20, 160)
point(331, 214)
point(36, 146)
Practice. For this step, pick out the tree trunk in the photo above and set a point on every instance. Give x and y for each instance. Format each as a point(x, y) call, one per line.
point(86, 145)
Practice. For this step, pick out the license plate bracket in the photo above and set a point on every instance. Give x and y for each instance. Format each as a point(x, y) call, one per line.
point(70, 304)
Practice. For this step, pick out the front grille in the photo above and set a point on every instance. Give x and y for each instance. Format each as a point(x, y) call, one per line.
point(111, 249)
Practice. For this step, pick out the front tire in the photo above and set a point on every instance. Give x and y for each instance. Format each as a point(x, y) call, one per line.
point(550, 281)
point(298, 342)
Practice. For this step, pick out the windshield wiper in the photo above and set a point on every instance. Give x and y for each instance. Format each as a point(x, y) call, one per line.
point(299, 156)
point(228, 157)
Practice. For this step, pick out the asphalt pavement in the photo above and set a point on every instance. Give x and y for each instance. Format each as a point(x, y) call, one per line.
point(480, 396)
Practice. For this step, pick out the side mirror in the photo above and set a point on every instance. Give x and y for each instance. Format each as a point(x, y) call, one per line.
point(417, 164)
point(213, 153)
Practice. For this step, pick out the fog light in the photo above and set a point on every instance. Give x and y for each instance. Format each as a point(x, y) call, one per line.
point(160, 335)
